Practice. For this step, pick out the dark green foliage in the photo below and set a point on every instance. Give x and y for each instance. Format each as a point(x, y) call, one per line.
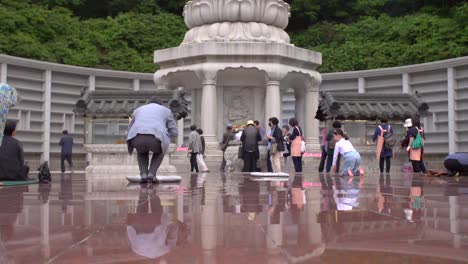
point(122, 34)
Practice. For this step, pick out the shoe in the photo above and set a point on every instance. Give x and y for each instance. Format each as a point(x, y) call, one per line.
point(144, 179)
point(152, 179)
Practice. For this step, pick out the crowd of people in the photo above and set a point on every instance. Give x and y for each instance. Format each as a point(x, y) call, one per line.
point(152, 128)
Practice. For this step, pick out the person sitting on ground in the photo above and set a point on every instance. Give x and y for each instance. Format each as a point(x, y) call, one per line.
point(352, 159)
point(151, 130)
point(12, 166)
point(457, 164)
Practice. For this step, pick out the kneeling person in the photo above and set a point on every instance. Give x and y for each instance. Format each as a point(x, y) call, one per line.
point(12, 167)
point(457, 163)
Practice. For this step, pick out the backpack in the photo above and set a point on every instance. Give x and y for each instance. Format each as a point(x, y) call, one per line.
point(44, 173)
point(389, 139)
point(418, 141)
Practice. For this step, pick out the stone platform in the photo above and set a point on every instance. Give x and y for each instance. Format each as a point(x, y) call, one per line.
point(219, 218)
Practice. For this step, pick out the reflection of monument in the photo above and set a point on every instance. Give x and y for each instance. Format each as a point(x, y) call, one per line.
point(232, 44)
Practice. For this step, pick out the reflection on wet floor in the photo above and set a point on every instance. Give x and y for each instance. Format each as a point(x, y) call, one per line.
point(227, 218)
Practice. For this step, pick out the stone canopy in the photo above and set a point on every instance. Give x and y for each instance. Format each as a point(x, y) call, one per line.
point(121, 104)
point(346, 106)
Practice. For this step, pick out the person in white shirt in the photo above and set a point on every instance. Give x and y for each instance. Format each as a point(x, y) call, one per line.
point(352, 159)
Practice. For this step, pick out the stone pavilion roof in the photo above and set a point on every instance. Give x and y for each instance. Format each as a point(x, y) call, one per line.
point(348, 106)
point(121, 104)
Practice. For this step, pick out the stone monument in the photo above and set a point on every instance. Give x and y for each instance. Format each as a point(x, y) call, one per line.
point(235, 61)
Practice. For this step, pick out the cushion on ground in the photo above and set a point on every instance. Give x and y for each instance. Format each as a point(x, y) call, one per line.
point(269, 174)
point(14, 183)
point(172, 178)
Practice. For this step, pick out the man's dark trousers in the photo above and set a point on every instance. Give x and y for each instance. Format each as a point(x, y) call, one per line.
point(68, 158)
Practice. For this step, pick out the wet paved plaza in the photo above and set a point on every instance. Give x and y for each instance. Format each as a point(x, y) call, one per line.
point(232, 218)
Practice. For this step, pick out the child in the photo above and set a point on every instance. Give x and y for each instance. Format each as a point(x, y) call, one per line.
point(352, 159)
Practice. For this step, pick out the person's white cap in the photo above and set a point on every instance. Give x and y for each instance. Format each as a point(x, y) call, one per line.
point(250, 122)
point(408, 123)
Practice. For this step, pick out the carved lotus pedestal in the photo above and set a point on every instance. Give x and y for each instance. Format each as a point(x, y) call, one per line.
point(113, 161)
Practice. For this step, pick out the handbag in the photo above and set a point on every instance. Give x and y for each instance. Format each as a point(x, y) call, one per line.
point(303, 146)
point(274, 149)
point(240, 152)
point(418, 141)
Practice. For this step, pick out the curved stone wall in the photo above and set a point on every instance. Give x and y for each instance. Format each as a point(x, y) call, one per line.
point(49, 92)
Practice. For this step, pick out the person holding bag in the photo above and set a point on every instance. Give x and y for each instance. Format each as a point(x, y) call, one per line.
point(296, 138)
point(416, 147)
point(277, 146)
point(201, 156)
point(250, 138)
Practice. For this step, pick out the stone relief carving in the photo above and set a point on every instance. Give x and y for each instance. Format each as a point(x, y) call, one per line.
point(202, 12)
point(238, 111)
point(231, 32)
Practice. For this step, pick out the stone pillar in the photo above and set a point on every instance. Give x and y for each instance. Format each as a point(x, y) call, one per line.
point(209, 112)
point(136, 85)
point(3, 73)
point(311, 125)
point(451, 88)
point(361, 85)
point(300, 106)
point(406, 83)
point(272, 101)
point(46, 115)
point(180, 131)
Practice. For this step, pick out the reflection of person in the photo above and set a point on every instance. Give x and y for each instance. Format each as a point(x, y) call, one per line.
point(151, 128)
point(8, 216)
point(150, 232)
point(66, 192)
point(8, 99)
point(12, 166)
point(250, 138)
point(346, 194)
point(66, 143)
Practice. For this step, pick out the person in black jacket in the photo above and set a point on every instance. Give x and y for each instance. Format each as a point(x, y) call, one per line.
point(12, 166)
point(276, 136)
point(66, 143)
point(250, 138)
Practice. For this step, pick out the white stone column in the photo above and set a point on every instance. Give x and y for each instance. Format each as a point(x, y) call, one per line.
point(451, 87)
point(311, 124)
point(300, 106)
point(136, 85)
point(406, 83)
point(47, 87)
point(180, 131)
point(361, 85)
point(3, 73)
point(92, 83)
point(272, 101)
point(209, 112)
